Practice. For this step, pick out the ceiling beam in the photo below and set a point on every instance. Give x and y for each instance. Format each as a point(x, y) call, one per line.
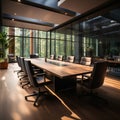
point(91, 13)
point(26, 20)
point(47, 7)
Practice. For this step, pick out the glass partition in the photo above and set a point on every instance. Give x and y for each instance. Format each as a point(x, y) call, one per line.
point(98, 36)
point(94, 35)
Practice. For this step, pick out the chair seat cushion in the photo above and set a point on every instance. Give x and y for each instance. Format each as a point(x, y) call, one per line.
point(40, 80)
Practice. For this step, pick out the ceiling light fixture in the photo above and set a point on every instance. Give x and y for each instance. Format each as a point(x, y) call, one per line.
point(19, 0)
point(66, 13)
point(13, 19)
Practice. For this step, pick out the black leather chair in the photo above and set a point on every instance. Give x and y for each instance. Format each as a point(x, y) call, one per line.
point(36, 81)
point(11, 58)
point(24, 80)
point(21, 74)
point(96, 79)
point(17, 60)
point(23, 65)
point(34, 56)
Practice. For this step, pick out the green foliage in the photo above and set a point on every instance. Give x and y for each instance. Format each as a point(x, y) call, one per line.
point(114, 51)
point(4, 44)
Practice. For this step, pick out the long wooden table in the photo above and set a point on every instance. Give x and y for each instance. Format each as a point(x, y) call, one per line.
point(63, 73)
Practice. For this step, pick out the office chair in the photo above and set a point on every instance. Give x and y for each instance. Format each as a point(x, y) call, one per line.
point(60, 57)
point(24, 80)
point(85, 61)
point(36, 81)
point(11, 58)
point(71, 59)
point(17, 60)
point(34, 55)
point(96, 79)
point(21, 74)
point(52, 57)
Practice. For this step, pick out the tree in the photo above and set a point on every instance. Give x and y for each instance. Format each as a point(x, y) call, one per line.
point(4, 44)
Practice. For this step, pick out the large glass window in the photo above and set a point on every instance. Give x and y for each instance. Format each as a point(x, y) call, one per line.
point(18, 46)
point(53, 43)
point(60, 43)
point(27, 41)
point(42, 49)
point(97, 36)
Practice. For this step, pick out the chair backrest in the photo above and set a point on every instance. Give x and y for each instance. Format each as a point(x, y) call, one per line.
point(71, 59)
point(116, 58)
point(34, 56)
point(23, 65)
point(60, 57)
point(52, 57)
point(30, 73)
point(98, 74)
point(17, 59)
point(11, 57)
point(85, 61)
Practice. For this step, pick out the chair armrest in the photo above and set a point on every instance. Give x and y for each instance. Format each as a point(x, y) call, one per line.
point(38, 74)
point(86, 76)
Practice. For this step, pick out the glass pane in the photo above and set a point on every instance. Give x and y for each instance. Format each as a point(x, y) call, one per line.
point(18, 46)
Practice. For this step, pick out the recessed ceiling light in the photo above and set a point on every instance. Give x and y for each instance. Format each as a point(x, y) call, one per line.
point(13, 19)
point(19, 0)
point(66, 13)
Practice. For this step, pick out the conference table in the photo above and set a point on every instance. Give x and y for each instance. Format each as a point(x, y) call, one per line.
point(63, 73)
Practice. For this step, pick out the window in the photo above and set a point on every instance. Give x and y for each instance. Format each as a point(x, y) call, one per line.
point(27, 40)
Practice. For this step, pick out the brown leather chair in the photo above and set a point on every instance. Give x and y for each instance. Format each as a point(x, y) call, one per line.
point(96, 79)
point(36, 81)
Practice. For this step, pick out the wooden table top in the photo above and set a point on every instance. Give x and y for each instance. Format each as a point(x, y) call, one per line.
point(61, 69)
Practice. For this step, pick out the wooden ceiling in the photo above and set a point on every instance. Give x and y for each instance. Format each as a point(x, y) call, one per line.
point(82, 6)
point(38, 14)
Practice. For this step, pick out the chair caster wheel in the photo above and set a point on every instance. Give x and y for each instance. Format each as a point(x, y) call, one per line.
point(25, 98)
point(35, 104)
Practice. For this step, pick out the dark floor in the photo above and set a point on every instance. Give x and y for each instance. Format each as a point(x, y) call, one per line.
point(67, 105)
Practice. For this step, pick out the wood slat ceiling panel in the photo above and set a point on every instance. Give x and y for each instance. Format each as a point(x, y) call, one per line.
point(12, 23)
point(11, 7)
point(81, 6)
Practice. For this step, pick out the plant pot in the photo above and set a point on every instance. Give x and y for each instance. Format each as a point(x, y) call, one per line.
point(4, 65)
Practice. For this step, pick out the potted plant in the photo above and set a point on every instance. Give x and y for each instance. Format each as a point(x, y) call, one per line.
point(4, 44)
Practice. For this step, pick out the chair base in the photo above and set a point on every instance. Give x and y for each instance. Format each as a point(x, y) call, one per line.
point(37, 94)
point(92, 94)
point(27, 83)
